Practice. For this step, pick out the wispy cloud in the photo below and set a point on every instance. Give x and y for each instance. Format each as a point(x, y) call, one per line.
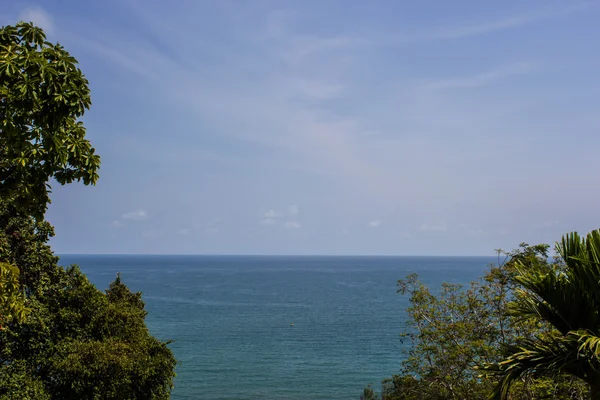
point(270, 217)
point(488, 27)
point(303, 46)
point(39, 17)
point(483, 28)
point(482, 79)
point(374, 223)
point(300, 47)
point(137, 215)
point(272, 214)
point(330, 118)
point(292, 225)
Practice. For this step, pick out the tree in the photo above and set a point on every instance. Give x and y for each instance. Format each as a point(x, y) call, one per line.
point(42, 96)
point(76, 342)
point(454, 331)
point(566, 295)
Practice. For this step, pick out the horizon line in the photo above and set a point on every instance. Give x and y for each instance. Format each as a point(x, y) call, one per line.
point(274, 255)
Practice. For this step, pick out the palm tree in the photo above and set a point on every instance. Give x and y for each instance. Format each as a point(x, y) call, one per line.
point(566, 295)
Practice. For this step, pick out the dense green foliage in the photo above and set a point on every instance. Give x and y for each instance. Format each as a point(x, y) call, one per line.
point(566, 296)
point(12, 298)
point(42, 96)
point(450, 334)
point(75, 342)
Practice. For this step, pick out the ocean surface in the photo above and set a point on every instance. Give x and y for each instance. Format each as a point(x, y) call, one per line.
point(254, 327)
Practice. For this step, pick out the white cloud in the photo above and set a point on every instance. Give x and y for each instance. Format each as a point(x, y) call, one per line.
point(270, 217)
point(292, 225)
point(375, 223)
point(271, 214)
point(433, 228)
point(116, 224)
point(293, 210)
point(137, 215)
point(39, 17)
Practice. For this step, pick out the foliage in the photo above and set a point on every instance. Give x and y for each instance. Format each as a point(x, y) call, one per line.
point(452, 332)
point(17, 383)
point(566, 295)
point(77, 342)
point(42, 96)
point(369, 394)
point(12, 299)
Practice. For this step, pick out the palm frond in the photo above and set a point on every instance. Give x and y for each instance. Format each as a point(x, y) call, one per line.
point(566, 295)
point(540, 356)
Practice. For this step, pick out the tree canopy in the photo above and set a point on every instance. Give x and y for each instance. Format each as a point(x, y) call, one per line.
point(454, 331)
point(42, 96)
point(77, 342)
point(566, 296)
point(62, 338)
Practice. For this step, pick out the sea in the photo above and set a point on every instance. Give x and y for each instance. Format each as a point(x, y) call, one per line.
point(277, 327)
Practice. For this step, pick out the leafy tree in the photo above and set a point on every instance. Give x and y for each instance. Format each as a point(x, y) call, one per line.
point(451, 333)
point(76, 342)
point(565, 295)
point(42, 96)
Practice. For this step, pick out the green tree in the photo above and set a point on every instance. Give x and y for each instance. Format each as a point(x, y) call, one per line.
point(565, 295)
point(42, 96)
point(76, 342)
point(454, 331)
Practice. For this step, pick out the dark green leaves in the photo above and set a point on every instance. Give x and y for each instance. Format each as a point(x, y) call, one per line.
point(42, 95)
point(455, 331)
point(76, 342)
point(566, 296)
point(12, 299)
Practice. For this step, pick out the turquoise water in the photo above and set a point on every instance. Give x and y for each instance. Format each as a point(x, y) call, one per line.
point(230, 318)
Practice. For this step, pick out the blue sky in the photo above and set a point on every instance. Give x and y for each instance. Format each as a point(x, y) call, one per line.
point(330, 127)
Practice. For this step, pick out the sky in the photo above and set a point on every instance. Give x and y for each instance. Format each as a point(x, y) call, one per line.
point(330, 127)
